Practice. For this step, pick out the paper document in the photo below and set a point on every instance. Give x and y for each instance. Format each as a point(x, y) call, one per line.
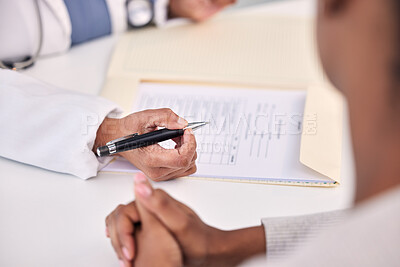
point(251, 135)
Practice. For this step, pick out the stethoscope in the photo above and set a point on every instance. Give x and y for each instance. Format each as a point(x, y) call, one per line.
point(140, 14)
point(30, 59)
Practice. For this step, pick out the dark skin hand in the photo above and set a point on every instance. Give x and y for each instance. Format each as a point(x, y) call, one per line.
point(200, 244)
point(154, 241)
point(157, 163)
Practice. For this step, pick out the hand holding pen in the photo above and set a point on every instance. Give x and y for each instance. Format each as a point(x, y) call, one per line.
point(156, 162)
point(135, 141)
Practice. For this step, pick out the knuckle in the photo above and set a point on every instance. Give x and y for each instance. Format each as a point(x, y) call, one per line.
point(184, 162)
point(171, 116)
point(119, 210)
point(193, 170)
point(167, 111)
point(131, 205)
point(132, 209)
point(184, 224)
point(120, 207)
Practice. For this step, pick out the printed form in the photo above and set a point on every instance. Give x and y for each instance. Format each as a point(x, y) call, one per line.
point(253, 134)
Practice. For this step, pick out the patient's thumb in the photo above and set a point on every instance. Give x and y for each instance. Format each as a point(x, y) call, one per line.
point(168, 210)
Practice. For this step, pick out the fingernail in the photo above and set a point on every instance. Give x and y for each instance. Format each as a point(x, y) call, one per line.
point(121, 263)
point(140, 178)
point(126, 253)
point(190, 131)
point(143, 190)
point(182, 121)
point(107, 232)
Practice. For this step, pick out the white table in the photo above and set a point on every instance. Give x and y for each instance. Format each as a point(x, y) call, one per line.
point(51, 219)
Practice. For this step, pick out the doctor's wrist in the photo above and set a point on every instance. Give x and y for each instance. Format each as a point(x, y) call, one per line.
point(108, 130)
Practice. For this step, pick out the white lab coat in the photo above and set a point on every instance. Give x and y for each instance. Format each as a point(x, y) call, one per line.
point(43, 125)
point(49, 127)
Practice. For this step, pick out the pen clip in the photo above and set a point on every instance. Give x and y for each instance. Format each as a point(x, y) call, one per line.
point(121, 138)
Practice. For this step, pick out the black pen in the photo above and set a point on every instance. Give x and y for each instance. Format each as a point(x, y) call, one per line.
point(134, 141)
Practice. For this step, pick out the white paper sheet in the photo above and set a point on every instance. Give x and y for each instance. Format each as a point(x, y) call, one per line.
point(253, 134)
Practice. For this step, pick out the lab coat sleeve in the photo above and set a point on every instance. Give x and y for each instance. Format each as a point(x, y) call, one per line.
point(49, 127)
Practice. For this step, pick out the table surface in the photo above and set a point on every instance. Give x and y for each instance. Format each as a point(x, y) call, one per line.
point(52, 219)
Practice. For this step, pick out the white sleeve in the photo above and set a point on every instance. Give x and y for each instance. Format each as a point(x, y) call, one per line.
point(48, 127)
point(284, 235)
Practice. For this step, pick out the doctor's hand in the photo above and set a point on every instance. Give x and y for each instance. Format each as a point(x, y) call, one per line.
point(156, 162)
point(197, 10)
point(200, 244)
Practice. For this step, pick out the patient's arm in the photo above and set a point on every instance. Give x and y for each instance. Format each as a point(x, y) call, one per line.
point(203, 245)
